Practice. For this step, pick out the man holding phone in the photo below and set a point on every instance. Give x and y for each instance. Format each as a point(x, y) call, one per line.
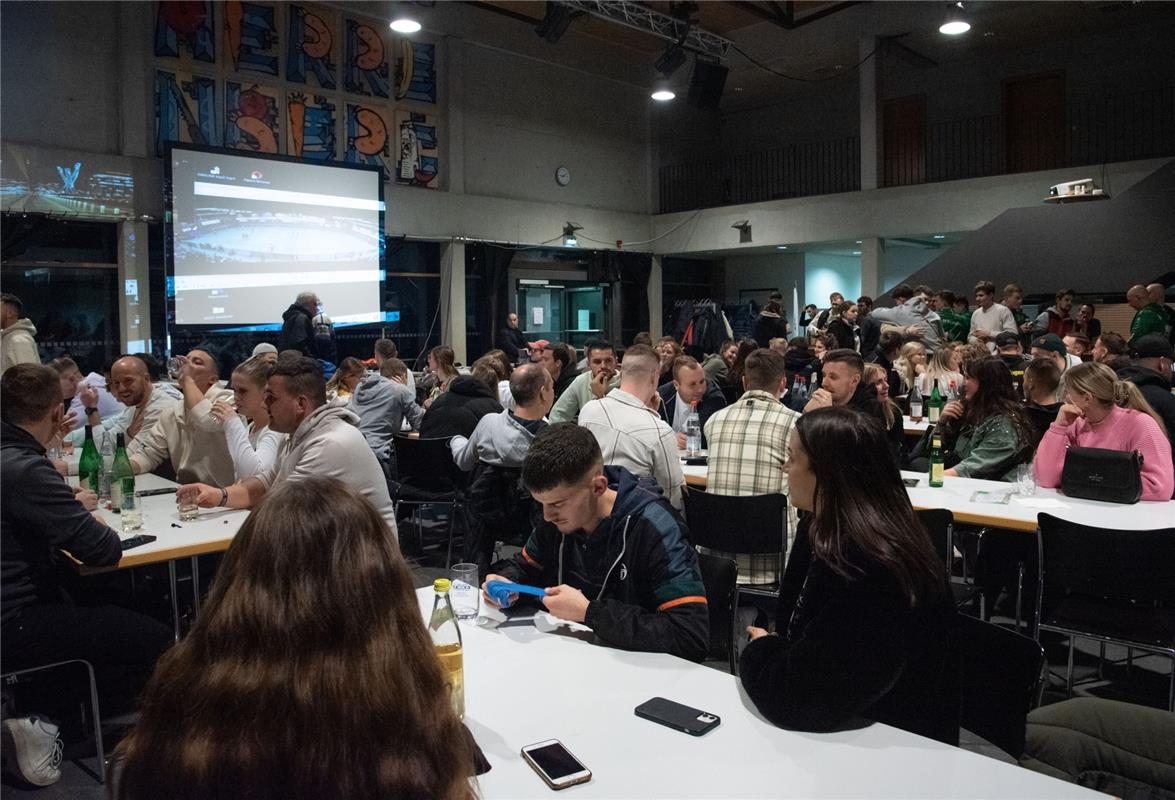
point(611, 552)
point(601, 378)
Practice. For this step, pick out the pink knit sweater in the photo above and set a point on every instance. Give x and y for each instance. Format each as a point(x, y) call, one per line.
point(1125, 429)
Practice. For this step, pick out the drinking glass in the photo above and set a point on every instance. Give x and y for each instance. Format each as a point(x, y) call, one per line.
point(175, 365)
point(1025, 480)
point(465, 592)
point(188, 510)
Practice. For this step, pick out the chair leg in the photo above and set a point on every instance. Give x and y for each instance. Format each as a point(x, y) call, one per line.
point(1130, 661)
point(97, 720)
point(449, 549)
point(734, 635)
point(1101, 661)
point(1019, 593)
point(1069, 671)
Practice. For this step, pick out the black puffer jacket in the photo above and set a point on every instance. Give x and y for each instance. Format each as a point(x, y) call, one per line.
point(457, 411)
point(297, 331)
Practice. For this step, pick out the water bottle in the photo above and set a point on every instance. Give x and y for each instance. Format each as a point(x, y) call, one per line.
point(107, 452)
point(915, 403)
point(446, 638)
point(693, 431)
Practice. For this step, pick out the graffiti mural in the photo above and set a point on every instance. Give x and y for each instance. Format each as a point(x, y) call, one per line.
point(416, 71)
point(251, 117)
point(185, 109)
point(368, 141)
point(417, 162)
point(183, 26)
point(251, 39)
point(365, 65)
point(310, 131)
point(310, 49)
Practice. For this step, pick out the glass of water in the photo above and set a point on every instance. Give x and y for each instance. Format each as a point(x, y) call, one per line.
point(188, 510)
point(175, 366)
point(465, 592)
point(1025, 480)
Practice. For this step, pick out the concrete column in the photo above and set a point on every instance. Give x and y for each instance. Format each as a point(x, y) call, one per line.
point(654, 299)
point(871, 267)
point(870, 121)
point(134, 292)
point(453, 298)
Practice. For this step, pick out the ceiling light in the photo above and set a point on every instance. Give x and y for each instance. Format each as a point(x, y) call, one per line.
point(858, 241)
point(939, 236)
point(569, 239)
point(856, 252)
point(405, 25)
point(663, 95)
point(954, 27)
point(781, 247)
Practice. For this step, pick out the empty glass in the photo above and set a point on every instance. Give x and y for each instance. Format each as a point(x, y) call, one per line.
point(465, 592)
point(1025, 480)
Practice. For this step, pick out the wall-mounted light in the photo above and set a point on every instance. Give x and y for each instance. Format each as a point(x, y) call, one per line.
point(569, 238)
point(743, 226)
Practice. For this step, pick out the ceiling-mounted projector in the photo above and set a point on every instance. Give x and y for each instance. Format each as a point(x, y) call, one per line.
point(1085, 186)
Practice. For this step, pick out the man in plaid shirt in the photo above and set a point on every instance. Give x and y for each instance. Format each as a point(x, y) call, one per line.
point(748, 444)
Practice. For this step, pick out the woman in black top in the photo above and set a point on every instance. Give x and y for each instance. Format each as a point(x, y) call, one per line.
point(843, 328)
point(866, 622)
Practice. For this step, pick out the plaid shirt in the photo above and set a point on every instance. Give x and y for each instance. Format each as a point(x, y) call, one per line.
point(748, 444)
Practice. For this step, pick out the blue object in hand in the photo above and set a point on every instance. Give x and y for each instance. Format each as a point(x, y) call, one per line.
point(499, 591)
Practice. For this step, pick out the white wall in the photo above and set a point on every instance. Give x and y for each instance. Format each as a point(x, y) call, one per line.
point(825, 274)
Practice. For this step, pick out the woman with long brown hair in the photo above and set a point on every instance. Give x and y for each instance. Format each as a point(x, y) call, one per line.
point(987, 432)
point(308, 674)
point(865, 622)
point(442, 369)
point(342, 384)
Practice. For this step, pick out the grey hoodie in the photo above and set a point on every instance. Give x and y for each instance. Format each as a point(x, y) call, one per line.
point(328, 444)
point(498, 439)
point(914, 311)
point(382, 405)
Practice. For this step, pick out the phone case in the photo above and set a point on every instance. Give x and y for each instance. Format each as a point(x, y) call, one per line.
point(137, 541)
point(680, 717)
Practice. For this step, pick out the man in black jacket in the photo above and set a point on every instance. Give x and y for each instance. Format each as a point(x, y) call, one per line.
point(512, 340)
point(1150, 370)
point(457, 410)
point(297, 327)
point(39, 517)
point(689, 385)
point(610, 551)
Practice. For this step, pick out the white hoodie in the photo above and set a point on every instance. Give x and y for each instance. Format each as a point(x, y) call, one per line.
point(17, 345)
point(328, 444)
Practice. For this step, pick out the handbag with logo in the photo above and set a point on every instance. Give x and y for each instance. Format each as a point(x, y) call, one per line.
point(1093, 473)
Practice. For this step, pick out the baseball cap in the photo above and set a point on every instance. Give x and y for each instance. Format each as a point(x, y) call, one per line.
point(1050, 341)
point(264, 347)
point(1006, 339)
point(541, 344)
point(1153, 345)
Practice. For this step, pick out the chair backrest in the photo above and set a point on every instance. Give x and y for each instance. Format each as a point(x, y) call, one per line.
point(1001, 677)
point(426, 464)
point(748, 524)
point(720, 577)
point(938, 523)
point(1137, 566)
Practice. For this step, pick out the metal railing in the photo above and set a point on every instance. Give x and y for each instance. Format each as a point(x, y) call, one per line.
point(1084, 131)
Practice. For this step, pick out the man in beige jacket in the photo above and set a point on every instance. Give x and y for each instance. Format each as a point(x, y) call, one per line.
point(17, 345)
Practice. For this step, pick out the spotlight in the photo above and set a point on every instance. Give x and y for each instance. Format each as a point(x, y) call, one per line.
point(556, 19)
point(671, 60)
point(569, 230)
point(954, 23)
point(404, 25)
point(663, 94)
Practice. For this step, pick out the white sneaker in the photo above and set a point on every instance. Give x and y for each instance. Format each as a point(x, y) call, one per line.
point(32, 749)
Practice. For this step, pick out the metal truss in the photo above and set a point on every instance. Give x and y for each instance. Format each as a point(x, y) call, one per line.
point(645, 20)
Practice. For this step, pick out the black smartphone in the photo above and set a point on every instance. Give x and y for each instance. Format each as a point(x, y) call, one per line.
point(910, 482)
point(137, 541)
point(555, 764)
point(695, 461)
point(680, 717)
point(153, 492)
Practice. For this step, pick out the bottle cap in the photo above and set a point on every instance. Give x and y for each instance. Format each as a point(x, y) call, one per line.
point(441, 585)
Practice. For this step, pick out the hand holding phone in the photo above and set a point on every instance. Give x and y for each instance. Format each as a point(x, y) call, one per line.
point(555, 764)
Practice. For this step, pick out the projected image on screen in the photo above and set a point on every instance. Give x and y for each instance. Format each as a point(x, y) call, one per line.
point(250, 234)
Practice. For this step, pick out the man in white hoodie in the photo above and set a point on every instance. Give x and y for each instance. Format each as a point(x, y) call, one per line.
point(17, 345)
point(324, 441)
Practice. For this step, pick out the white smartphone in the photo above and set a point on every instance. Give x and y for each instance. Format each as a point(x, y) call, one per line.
point(555, 764)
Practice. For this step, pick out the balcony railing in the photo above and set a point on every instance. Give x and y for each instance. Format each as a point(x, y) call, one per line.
point(1082, 132)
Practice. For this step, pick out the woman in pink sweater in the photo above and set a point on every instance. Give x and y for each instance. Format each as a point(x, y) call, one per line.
point(1102, 411)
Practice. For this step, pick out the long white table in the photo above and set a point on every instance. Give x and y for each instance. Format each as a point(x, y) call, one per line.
point(523, 686)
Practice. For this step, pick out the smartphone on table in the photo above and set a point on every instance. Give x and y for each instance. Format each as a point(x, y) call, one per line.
point(680, 717)
point(555, 764)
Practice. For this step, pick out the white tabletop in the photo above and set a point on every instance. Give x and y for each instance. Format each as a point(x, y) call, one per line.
point(523, 686)
point(913, 428)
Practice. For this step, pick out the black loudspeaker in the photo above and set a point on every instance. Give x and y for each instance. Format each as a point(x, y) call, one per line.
point(706, 84)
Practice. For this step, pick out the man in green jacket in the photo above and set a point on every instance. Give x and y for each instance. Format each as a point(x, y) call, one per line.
point(1149, 317)
point(601, 378)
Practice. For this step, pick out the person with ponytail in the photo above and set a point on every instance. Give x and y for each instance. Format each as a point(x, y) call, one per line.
point(1102, 411)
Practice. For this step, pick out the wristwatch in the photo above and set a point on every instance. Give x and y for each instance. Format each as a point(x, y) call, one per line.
point(90, 411)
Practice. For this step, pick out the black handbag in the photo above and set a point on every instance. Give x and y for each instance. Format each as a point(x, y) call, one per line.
point(1093, 473)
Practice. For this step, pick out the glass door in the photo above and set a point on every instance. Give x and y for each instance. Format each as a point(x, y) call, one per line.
point(540, 311)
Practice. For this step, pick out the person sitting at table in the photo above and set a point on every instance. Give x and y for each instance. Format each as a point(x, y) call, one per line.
point(382, 400)
point(871, 632)
point(986, 433)
point(1111, 349)
point(467, 399)
point(385, 349)
point(311, 620)
point(801, 362)
point(1042, 378)
point(252, 445)
point(602, 377)
point(610, 550)
point(748, 443)
point(346, 377)
point(629, 429)
point(689, 385)
point(188, 435)
point(943, 368)
point(885, 355)
point(39, 516)
point(145, 402)
point(324, 441)
point(909, 366)
point(1103, 411)
point(842, 385)
point(669, 351)
point(734, 377)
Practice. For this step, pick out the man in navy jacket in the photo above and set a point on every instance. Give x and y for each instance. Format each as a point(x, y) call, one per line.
point(689, 384)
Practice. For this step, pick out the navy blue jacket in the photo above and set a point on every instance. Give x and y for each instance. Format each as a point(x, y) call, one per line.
point(713, 400)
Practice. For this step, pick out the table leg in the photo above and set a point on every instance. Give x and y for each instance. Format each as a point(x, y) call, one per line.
point(195, 585)
point(175, 606)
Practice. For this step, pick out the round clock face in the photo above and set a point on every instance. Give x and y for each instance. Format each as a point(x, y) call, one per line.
point(563, 176)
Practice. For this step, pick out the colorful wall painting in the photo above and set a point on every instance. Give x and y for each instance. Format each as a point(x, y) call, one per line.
point(365, 63)
point(252, 120)
point(251, 38)
point(416, 71)
point(310, 47)
point(368, 140)
point(185, 109)
point(183, 26)
point(310, 131)
point(417, 161)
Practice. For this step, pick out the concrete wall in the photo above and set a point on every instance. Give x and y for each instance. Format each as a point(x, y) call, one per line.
point(772, 271)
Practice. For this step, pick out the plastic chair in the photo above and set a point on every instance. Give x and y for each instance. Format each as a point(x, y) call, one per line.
point(720, 577)
point(1108, 585)
point(428, 476)
point(750, 524)
point(940, 525)
point(1001, 678)
point(12, 679)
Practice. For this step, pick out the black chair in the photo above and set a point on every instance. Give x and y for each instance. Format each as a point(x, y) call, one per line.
point(940, 525)
point(750, 524)
point(1001, 678)
point(720, 577)
point(427, 476)
point(1109, 585)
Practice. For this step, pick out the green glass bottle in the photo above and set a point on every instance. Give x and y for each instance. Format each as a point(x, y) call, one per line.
point(936, 404)
point(936, 465)
point(90, 464)
point(122, 477)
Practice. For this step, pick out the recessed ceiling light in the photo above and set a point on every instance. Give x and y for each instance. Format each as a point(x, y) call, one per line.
point(663, 95)
point(858, 241)
point(404, 25)
point(856, 252)
point(781, 247)
point(939, 236)
point(954, 27)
